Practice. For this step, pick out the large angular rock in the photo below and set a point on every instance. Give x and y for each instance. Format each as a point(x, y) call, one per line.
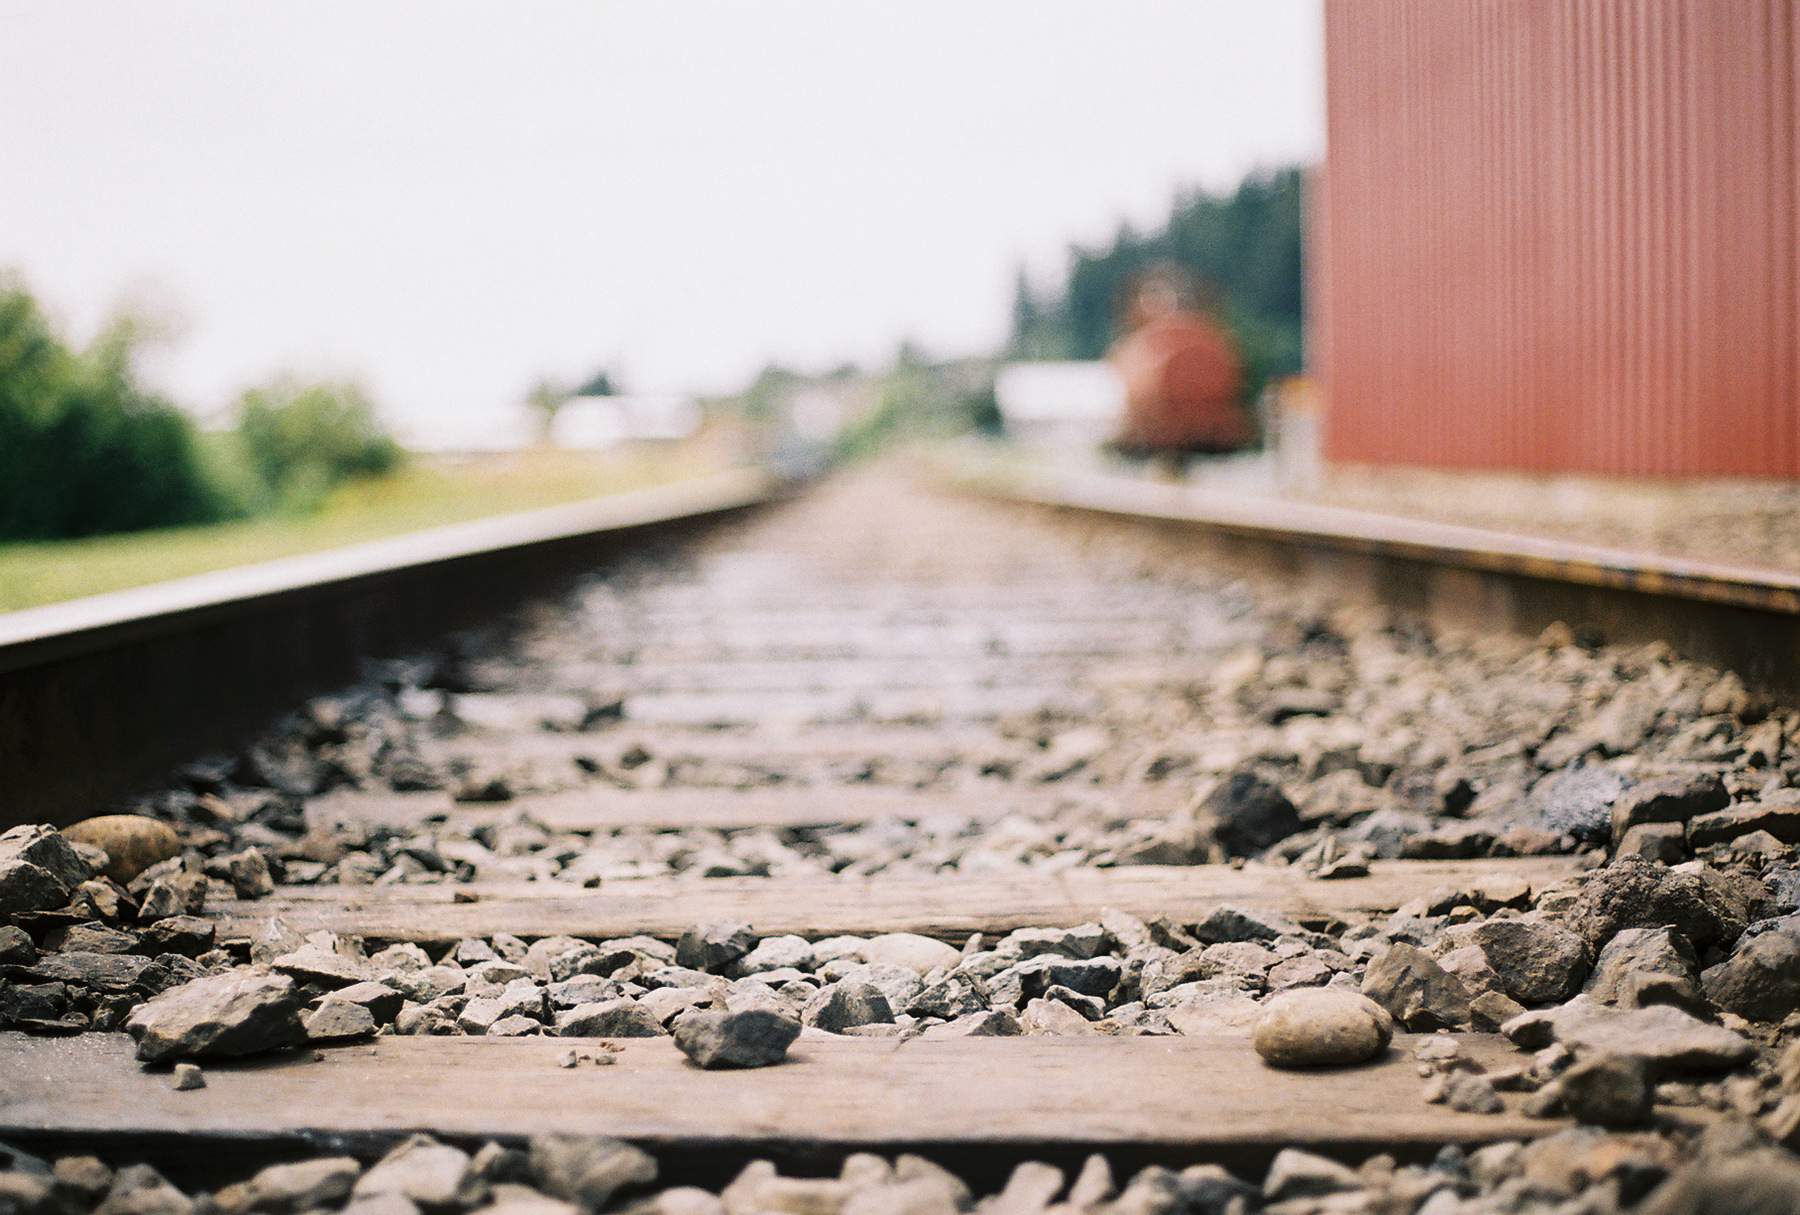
point(616, 1018)
point(327, 960)
point(1633, 953)
point(1672, 799)
point(112, 973)
point(239, 1013)
point(840, 1005)
point(132, 842)
point(1415, 990)
point(1780, 820)
point(1761, 979)
point(1705, 906)
point(1249, 813)
point(1537, 963)
point(714, 946)
point(1668, 1036)
point(587, 1170)
point(756, 1037)
point(38, 869)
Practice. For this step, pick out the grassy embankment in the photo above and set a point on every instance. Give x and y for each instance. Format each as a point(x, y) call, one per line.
point(427, 492)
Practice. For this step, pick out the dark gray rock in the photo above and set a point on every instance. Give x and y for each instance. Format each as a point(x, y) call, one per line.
point(338, 1020)
point(1667, 1036)
point(1091, 1008)
point(179, 893)
point(1080, 942)
point(16, 948)
point(1671, 799)
point(615, 1018)
point(587, 1170)
point(93, 938)
point(433, 1175)
point(1249, 813)
point(847, 1002)
point(1704, 907)
point(1610, 1090)
point(955, 995)
point(45, 848)
point(756, 1037)
point(1576, 800)
point(250, 877)
point(189, 936)
point(39, 1008)
point(27, 887)
point(238, 1013)
point(1415, 990)
point(714, 946)
point(1783, 882)
point(325, 960)
point(116, 973)
point(1636, 952)
point(1761, 979)
point(1225, 923)
point(1093, 977)
point(1537, 963)
point(382, 1001)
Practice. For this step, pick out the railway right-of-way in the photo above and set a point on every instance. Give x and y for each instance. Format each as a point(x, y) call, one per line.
point(1091, 878)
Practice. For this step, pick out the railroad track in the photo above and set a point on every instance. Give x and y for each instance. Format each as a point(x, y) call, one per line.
point(1030, 823)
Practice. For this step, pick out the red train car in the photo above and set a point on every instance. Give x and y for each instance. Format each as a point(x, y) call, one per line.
point(1183, 381)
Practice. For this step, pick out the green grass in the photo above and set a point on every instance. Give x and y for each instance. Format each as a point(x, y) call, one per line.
point(427, 492)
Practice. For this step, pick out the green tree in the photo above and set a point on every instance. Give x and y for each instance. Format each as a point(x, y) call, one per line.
point(303, 439)
point(85, 449)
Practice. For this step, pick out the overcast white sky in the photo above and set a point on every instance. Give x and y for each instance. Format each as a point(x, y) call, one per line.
point(451, 199)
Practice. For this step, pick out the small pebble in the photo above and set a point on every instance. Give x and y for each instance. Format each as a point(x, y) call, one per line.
point(188, 1076)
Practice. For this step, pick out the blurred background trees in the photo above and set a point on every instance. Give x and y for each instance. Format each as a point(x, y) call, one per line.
point(86, 449)
point(1245, 249)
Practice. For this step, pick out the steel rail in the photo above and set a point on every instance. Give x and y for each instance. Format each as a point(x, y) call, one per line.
point(99, 695)
point(1740, 618)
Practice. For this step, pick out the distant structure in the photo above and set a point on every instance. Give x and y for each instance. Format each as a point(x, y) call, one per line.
point(598, 422)
point(1066, 405)
point(1560, 236)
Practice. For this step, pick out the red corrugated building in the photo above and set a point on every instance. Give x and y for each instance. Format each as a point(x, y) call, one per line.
point(1560, 235)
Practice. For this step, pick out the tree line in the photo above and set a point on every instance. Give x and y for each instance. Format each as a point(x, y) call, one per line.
point(87, 449)
point(1243, 250)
